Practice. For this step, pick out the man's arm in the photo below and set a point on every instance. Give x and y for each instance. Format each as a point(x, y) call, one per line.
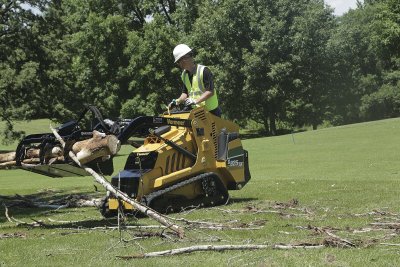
point(182, 98)
point(206, 95)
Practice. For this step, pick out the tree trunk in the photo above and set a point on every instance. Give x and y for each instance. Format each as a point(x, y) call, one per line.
point(272, 124)
point(266, 125)
point(272, 118)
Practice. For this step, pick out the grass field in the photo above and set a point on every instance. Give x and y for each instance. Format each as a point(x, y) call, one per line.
point(304, 187)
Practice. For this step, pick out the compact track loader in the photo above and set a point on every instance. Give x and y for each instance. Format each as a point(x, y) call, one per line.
point(189, 158)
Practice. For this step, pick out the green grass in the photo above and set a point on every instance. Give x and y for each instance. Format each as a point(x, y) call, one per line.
point(32, 127)
point(338, 175)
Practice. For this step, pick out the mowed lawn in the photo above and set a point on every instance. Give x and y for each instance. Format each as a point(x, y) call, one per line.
point(305, 188)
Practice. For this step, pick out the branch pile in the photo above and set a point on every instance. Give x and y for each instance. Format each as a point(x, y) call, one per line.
point(69, 201)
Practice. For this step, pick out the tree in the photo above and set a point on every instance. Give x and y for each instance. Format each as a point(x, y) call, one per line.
point(19, 65)
point(286, 66)
point(365, 52)
point(220, 37)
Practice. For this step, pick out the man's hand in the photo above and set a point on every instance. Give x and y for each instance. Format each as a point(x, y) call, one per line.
point(173, 103)
point(190, 102)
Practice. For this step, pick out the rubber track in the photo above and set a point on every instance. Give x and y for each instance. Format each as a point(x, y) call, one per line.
point(150, 197)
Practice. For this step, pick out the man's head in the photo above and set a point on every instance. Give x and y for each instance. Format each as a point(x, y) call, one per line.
point(181, 51)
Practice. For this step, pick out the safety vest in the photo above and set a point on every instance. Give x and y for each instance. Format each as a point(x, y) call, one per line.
point(196, 88)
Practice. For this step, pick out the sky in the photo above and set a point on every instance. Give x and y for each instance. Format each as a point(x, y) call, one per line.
point(342, 6)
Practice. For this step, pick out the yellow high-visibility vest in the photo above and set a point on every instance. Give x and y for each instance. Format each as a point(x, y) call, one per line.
point(196, 88)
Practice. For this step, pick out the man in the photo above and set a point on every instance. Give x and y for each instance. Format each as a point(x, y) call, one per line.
point(198, 86)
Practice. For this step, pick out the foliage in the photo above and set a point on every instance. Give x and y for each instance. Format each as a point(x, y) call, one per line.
point(139, 107)
point(384, 103)
point(19, 63)
point(365, 52)
point(274, 62)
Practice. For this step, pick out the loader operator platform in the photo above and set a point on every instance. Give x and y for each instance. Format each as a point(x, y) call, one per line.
point(197, 82)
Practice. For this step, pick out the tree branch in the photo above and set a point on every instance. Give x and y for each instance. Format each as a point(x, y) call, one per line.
point(191, 249)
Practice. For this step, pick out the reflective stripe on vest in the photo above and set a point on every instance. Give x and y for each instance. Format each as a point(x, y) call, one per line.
point(196, 88)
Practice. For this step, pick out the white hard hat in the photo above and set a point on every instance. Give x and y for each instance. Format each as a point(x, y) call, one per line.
point(180, 50)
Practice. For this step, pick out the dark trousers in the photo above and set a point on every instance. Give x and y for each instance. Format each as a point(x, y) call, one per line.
point(216, 112)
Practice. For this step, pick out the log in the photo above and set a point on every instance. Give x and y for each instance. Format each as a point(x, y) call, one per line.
point(31, 156)
point(32, 153)
point(100, 145)
point(8, 164)
point(121, 195)
point(5, 157)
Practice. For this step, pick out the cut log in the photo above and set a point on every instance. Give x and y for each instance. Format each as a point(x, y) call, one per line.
point(8, 164)
point(54, 152)
point(100, 145)
point(32, 153)
point(31, 161)
point(5, 157)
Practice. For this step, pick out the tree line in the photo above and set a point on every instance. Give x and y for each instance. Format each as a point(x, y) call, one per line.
point(279, 63)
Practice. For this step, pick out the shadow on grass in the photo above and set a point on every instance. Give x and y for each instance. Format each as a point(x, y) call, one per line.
point(258, 134)
point(241, 200)
point(26, 205)
point(23, 206)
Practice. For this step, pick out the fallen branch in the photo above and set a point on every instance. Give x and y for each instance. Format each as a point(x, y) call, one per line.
point(19, 222)
point(391, 225)
point(230, 225)
point(12, 235)
point(304, 246)
point(121, 195)
point(191, 249)
point(6, 213)
point(389, 244)
point(338, 241)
